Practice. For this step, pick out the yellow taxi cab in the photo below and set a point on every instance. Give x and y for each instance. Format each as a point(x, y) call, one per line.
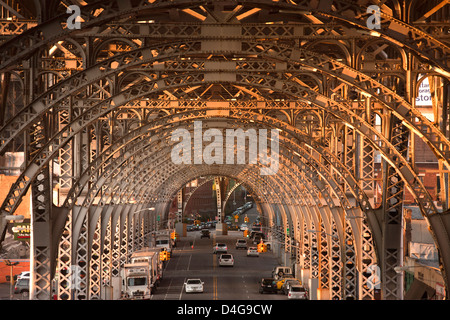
point(280, 282)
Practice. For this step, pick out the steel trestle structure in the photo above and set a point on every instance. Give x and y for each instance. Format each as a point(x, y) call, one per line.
point(94, 106)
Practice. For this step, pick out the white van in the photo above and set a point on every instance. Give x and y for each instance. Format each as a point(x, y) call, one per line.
point(279, 272)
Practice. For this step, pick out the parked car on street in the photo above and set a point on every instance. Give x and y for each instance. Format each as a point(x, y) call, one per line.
point(297, 292)
point(267, 285)
point(288, 283)
point(280, 281)
point(25, 274)
point(280, 271)
point(22, 285)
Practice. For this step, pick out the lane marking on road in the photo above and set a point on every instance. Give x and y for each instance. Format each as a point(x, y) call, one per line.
point(168, 288)
point(182, 287)
point(215, 288)
point(189, 263)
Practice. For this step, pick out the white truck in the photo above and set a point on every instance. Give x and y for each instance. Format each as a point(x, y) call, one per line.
point(142, 275)
point(163, 241)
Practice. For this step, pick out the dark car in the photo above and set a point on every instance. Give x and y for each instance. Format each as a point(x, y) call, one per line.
point(268, 285)
point(205, 234)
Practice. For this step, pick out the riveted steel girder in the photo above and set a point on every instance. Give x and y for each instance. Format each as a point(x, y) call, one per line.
point(107, 115)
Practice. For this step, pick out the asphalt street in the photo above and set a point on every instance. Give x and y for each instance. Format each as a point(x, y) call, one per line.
point(240, 282)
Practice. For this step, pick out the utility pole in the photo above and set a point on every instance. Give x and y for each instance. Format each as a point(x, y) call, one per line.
point(11, 278)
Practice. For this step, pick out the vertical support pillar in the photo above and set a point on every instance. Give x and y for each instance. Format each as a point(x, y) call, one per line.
point(116, 243)
point(306, 249)
point(315, 251)
point(131, 231)
point(180, 205)
point(350, 271)
point(444, 183)
point(124, 236)
point(136, 231)
point(41, 244)
point(79, 279)
point(335, 264)
point(65, 260)
point(298, 236)
point(392, 254)
point(218, 198)
point(220, 226)
point(106, 248)
point(141, 230)
point(324, 261)
point(95, 261)
point(370, 274)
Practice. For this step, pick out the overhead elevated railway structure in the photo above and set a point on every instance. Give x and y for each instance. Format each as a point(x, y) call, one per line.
point(94, 106)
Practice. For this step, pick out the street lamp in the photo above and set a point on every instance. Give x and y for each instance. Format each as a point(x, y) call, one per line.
point(400, 269)
point(151, 209)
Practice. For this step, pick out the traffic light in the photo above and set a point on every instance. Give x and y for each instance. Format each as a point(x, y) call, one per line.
point(174, 236)
point(246, 219)
point(262, 247)
point(164, 255)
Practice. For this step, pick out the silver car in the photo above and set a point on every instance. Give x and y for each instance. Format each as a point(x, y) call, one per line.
point(297, 292)
point(252, 251)
point(241, 243)
point(226, 259)
point(22, 285)
point(220, 247)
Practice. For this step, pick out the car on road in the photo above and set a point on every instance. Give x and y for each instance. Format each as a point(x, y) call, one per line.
point(280, 271)
point(241, 244)
point(22, 285)
point(205, 234)
point(288, 283)
point(257, 237)
point(25, 274)
point(220, 247)
point(193, 285)
point(297, 292)
point(243, 227)
point(267, 285)
point(252, 252)
point(280, 282)
point(226, 259)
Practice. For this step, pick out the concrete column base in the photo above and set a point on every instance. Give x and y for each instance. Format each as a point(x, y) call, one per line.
point(180, 228)
point(304, 276)
point(221, 228)
point(323, 294)
point(313, 285)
